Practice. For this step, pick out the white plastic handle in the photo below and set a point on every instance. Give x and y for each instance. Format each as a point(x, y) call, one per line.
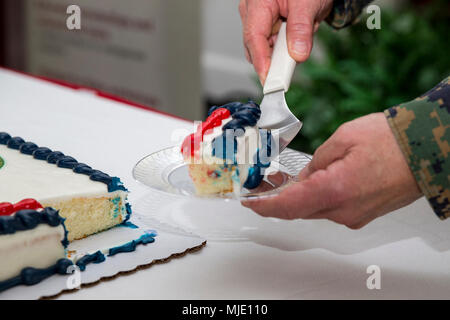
point(282, 65)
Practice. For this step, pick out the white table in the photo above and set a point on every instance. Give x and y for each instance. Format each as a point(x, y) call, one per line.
point(280, 260)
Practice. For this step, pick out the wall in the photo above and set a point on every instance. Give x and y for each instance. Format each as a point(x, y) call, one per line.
point(226, 72)
point(147, 52)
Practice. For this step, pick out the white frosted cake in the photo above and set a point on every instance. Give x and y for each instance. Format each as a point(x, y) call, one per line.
point(32, 243)
point(89, 200)
point(228, 151)
point(64, 201)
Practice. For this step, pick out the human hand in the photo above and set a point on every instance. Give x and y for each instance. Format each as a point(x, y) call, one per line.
point(261, 21)
point(355, 176)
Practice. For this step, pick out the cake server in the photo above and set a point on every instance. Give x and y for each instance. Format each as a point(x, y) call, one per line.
point(275, 113)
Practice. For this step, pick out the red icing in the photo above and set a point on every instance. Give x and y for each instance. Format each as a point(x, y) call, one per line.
point(7, 208)
point(192, 141)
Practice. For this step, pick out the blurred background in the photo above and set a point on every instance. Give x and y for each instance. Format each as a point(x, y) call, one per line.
point(184, 56)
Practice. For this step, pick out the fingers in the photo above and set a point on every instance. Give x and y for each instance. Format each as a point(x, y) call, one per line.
point(259, 21)
point(243, 14)
point(263, 187)
point(301, 199)
point(276, 27)
point(243, 10)
point(324, 185)
point(300, 29)
point(260, 54)
point(257, 31)
point(305, 173)
point(278, 178)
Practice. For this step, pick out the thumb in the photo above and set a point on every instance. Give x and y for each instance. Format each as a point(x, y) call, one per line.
point(300, 29)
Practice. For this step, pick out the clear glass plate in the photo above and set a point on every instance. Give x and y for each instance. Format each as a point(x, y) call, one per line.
point(166, 171)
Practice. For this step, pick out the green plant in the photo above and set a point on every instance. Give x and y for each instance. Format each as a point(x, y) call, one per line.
point(364, 71)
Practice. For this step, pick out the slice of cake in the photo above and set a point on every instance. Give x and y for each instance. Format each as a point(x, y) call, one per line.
point(228, 151)
point(89, 200)
point(32, 243)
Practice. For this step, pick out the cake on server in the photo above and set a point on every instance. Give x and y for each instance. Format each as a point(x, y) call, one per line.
point(89, 200)
point(32, 243)
point(228, 151)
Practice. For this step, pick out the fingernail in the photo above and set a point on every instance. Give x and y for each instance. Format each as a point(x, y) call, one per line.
point(262, 79)
point(248, 203)
point(299, 49)
point(263, 74)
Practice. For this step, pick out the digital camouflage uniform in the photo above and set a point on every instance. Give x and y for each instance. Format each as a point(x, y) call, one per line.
point(345, 12)
point(421, 127)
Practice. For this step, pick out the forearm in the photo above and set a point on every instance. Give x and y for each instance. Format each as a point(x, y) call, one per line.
point(344, 12)
point(422, 129)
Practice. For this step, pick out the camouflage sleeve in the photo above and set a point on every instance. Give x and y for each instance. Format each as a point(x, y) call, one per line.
point(344, 12)
point(422, 129)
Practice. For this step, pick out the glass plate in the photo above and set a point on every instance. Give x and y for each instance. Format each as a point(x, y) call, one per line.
point(165, 171)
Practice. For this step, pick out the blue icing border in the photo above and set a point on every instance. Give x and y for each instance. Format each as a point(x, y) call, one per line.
point(83, 169)
point(65, 241)
point(15, 143)
point(128, 224)
point(115, 185)
point(54, 156)
point(96, 257)
point(41, 153)
point(28, 219)
point(30, 276)
point(131, 246)
point(4, 137)
point(256, 172)
point(129, 211)
point(243, 115)
point(28, 147)
point(99, 257)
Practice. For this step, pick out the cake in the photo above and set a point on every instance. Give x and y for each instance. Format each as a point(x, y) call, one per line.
point(32, 243)
point(228, 151)
point(64, 200)
point(89, 200)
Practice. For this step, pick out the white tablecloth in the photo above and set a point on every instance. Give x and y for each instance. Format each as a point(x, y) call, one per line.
point(279, 260)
